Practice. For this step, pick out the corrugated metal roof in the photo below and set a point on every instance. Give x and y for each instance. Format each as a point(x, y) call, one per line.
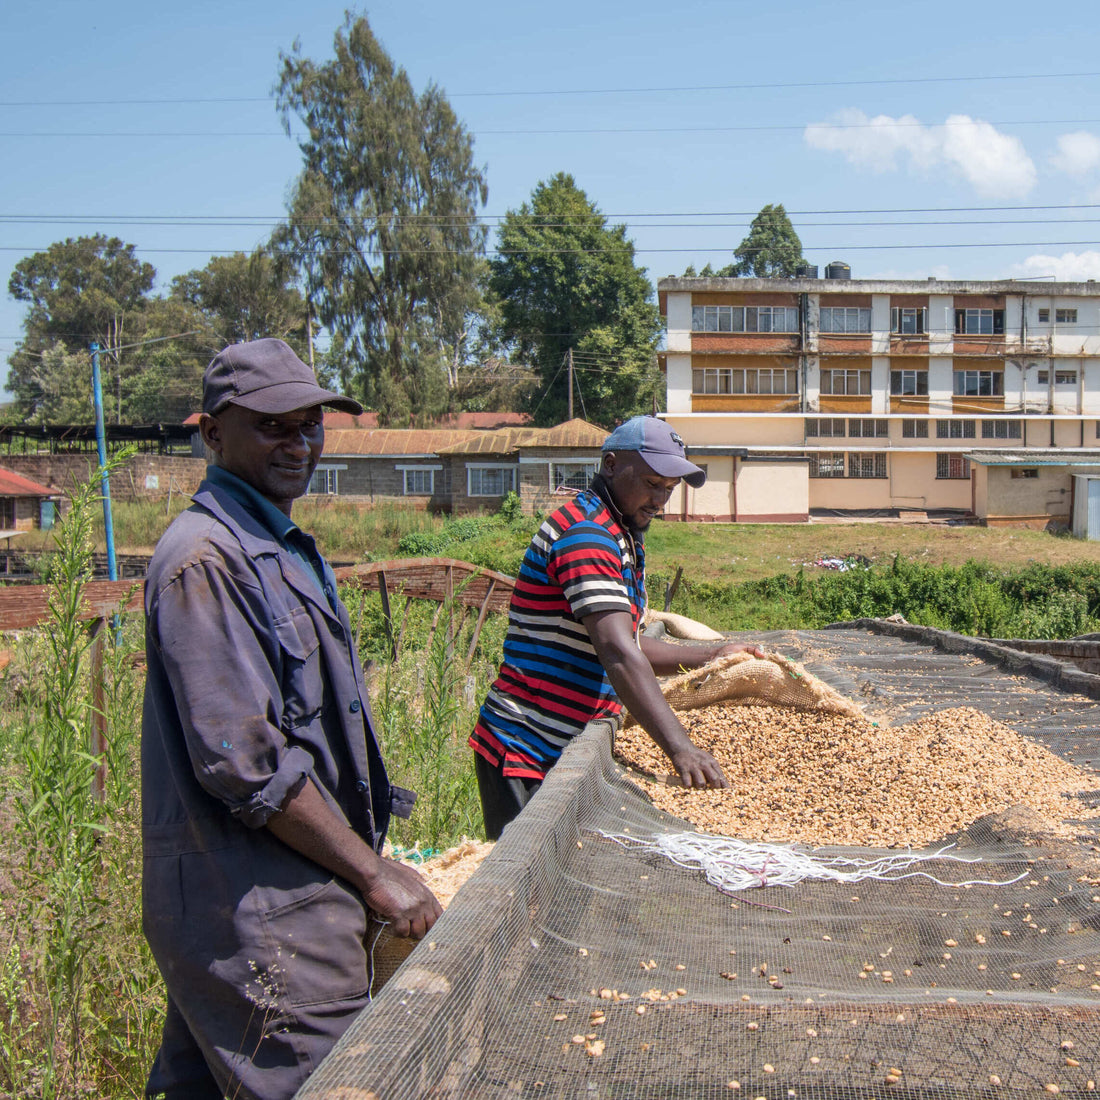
point(1062, 456)
point(573, 433)
point(394, 441)
point(481, 421)
point(15, 485)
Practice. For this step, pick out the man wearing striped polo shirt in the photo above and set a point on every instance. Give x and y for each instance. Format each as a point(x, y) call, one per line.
point(574, 650)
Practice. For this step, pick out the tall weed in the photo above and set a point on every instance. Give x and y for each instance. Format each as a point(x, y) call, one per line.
point(75, 953)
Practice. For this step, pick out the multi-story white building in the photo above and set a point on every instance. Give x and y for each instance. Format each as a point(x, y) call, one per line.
point(835, 395)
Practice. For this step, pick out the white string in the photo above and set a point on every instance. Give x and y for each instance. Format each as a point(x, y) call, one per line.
point(731, 865)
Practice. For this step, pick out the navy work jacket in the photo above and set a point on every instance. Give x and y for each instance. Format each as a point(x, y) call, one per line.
point(253, 685)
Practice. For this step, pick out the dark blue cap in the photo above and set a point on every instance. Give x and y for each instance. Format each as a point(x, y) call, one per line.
point(662, 449)
point(267, 377)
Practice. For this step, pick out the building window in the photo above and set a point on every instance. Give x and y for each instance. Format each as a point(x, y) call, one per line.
point(866, 465)
point(744, 319)
point(325, 480)
point(572, 475)
point(490, 481)
point(1065, 316)
point(419, 481)
point(909, 383)
point(1028, 472)
point(914, 429)
point(1001, 429)
point(738, 380)
point(829, 429)
point(827, 464)
point(978, 383)
point(1061, 378)
point(980, 322)
point(952, 467)
point(845, 319)
point(1044, 316)
point(955, 429)
point(868, 429)
point(7, 513)
point(845, 382)
point(909, 322)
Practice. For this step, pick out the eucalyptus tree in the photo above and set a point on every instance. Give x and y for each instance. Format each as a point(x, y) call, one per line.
point(383, 220)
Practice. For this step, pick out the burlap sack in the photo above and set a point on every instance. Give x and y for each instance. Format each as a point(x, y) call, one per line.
point(680, 626)
point(743, 678)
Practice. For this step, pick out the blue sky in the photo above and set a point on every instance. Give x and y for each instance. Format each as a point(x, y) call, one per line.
point(680, 119)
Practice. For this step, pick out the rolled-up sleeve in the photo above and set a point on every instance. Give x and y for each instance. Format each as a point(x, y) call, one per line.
point(223, 659)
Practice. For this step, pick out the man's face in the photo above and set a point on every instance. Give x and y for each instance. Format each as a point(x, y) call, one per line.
point(639, 493)
point(276, 453)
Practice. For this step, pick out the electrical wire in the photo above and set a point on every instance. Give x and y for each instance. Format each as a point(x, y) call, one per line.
point(664, 90)
point(521, 131)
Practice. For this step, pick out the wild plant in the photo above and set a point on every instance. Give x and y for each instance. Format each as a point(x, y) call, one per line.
point(59, 822)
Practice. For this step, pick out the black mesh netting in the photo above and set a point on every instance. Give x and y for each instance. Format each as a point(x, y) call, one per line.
point(569, 966)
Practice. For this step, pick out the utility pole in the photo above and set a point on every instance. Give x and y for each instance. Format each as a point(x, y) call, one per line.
point(101, 447)
point(309, 329)
point(569, 374)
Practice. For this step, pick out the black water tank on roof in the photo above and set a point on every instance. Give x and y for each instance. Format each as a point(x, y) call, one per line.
point(806, 271)
point(838, 270)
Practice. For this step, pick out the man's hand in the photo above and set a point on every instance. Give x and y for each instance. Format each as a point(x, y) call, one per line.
point(397, 894)
point(740, 647)
point(697, 768)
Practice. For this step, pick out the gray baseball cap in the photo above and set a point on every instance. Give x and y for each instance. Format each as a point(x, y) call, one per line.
point(662, 448)
point(266, 376)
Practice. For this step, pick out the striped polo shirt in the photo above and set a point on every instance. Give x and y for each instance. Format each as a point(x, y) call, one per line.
point(582, 560)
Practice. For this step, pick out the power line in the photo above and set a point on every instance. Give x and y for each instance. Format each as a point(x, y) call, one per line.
point(485, 223)
point(597, 251)
point(189, 218)
point(519, 92)
point(602, 130)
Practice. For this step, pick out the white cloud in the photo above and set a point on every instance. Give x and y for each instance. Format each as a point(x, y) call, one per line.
point(1078, 153)
point(1070, 267)
point(996, 165)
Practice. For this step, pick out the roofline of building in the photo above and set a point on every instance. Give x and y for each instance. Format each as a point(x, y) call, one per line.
point(712, 284)
point(936, 414)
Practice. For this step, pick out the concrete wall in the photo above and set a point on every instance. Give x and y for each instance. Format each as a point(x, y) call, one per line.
point(772, 492)
point(1004, 498)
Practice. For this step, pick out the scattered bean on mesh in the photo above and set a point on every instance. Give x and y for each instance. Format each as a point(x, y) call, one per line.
point(822, 779)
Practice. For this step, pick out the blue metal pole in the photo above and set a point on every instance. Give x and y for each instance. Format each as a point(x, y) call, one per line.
point(105, 481)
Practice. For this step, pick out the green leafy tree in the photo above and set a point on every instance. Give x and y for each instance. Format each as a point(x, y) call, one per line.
point(383, 222)
point(567, 281)
point(246, 297)
point(77, 291)
point(772, 249)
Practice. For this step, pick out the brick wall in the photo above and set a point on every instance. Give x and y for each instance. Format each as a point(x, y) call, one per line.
point(145, 476)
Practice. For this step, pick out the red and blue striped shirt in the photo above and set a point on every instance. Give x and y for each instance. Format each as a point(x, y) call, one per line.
point(551, 684)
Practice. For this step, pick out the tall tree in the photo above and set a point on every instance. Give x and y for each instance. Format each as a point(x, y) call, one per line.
point(567, 282)
point(79, 290)
point(383, 220)
point(246, 297)
point(772, 249)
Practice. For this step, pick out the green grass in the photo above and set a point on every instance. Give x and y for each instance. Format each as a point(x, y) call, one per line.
point(80, 998)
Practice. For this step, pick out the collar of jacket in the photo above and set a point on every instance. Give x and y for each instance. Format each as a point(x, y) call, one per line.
point(257, 540)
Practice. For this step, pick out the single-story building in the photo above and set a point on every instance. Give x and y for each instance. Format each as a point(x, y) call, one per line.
point(541, 465)
point(24, 504)
point(1036, 488)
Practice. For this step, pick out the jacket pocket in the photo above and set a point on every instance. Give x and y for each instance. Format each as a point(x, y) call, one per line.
point(318, 943)
point(302, 683)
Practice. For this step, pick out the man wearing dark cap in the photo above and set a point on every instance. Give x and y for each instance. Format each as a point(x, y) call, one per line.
point(574, 650)
point(265, 799)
